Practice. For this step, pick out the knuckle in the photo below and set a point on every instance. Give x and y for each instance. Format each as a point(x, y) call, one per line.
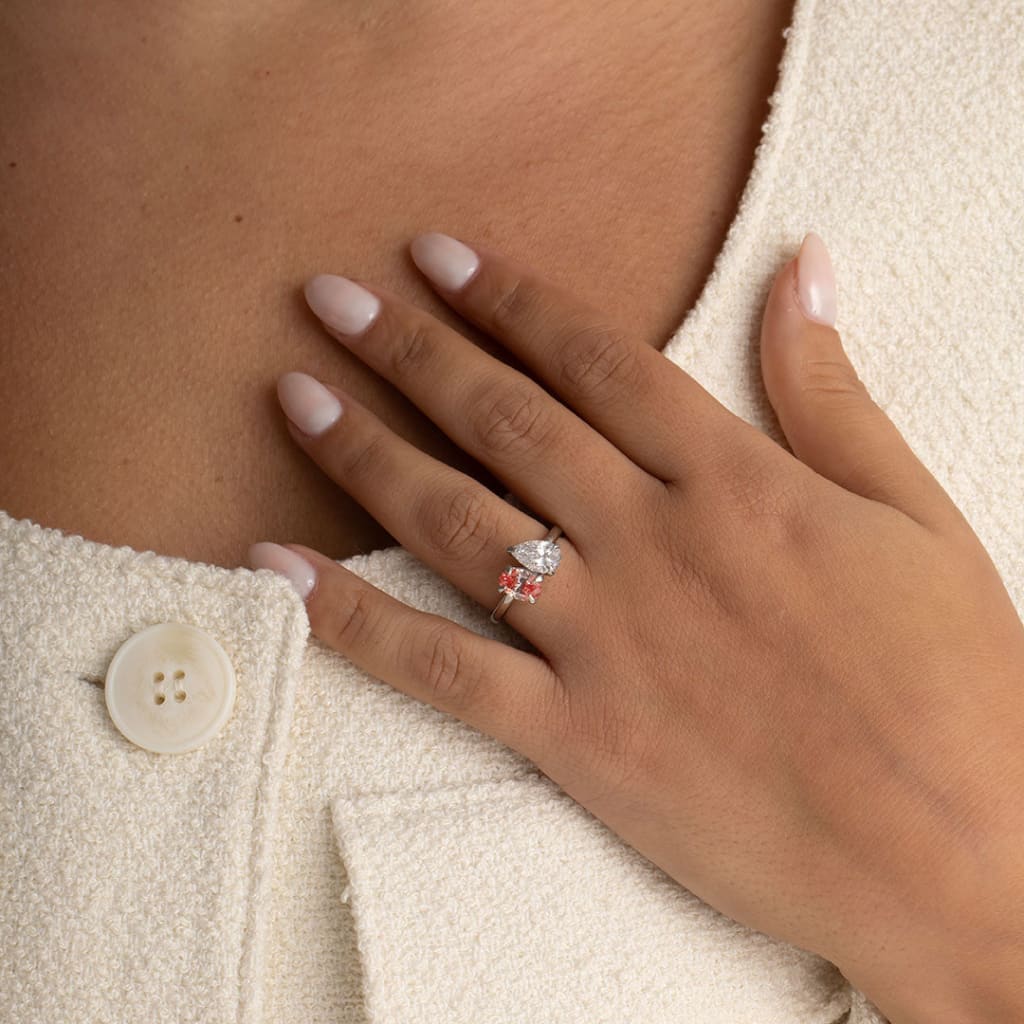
point(412, 351)
point(458, 525)
point(447, 679)
point(598, 363)
point(352, 621)
point(510, 419)
point(830, 377)
point(758, 489)
point(694, 576)
point(692, 570)
point(365, 462)
point(512, 306)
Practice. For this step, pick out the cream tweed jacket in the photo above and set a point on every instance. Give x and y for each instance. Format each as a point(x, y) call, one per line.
point(343, 853)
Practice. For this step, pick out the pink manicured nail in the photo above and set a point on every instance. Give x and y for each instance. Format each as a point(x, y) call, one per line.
point(307, 403)
point(815, 281)
point(445, 260)
point(341, 303)
point(267, 555)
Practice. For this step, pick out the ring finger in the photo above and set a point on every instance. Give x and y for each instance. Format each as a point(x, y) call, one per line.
point(551, 458)
point(448, 520)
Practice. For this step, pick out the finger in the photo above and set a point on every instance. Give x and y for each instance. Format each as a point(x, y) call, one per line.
point(558, 464)
point(651, 409)
point(448, 520)
point(507, 693)
point(829, 418)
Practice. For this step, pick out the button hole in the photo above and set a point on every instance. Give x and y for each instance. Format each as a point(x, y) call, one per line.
point(180, 695)
point(159, 698)
point(158, 677)
point(179, 674)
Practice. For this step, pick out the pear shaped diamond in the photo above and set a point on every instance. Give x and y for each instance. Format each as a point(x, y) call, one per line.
point(540, 556)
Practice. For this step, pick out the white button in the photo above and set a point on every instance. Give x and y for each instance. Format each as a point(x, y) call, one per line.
point(170, 688)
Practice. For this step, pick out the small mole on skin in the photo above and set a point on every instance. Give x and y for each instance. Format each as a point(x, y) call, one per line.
point(13, 163)
point(238, 218)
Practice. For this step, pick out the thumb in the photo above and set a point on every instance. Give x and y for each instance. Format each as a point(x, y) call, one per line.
point(829, 419)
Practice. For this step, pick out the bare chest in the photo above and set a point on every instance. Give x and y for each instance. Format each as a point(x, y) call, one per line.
point(162, 217)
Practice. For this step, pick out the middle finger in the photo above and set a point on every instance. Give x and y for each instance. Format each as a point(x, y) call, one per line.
point(556, 462)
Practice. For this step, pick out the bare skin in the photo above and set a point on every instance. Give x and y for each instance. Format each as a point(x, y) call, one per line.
point(173, 174)
point(884, 829)
point(808, 713)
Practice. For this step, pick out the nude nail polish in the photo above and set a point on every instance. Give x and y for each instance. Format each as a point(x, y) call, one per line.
point(445, 260)
point(815, 281)
point(307, 403)
point(267, 555)
point(342, 304)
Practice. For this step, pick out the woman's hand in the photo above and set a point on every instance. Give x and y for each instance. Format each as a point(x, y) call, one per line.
point(792, 681)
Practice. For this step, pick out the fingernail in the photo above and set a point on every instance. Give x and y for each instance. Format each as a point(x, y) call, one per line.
point(815, 281)
point(301, 575)
point(341, 303)
point(307, 403)
point(445, 260)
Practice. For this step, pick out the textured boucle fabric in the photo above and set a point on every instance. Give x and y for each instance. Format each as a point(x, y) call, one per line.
point(343, 853)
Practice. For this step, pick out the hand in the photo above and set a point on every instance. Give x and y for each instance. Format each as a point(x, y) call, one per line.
point(792, 681)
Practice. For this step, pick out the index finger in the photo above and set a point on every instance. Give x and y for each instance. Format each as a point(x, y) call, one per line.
point(646, 405)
